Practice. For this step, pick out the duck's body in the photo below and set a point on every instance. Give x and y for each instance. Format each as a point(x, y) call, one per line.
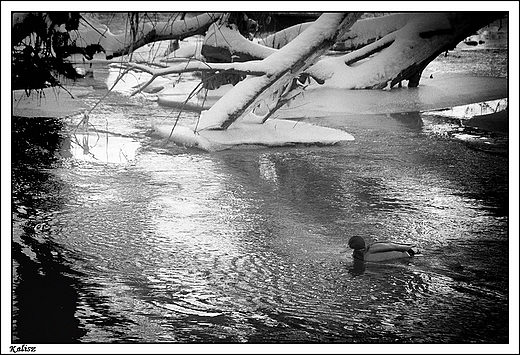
point(380, 251)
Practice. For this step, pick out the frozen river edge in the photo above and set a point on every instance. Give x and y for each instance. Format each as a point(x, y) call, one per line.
point(443, 91)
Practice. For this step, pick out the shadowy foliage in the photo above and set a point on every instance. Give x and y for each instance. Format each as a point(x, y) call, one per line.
point(40, 44)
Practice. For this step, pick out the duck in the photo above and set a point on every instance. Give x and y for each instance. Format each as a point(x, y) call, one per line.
point(380, 251)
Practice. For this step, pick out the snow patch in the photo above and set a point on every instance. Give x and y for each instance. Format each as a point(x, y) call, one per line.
point(275, 132)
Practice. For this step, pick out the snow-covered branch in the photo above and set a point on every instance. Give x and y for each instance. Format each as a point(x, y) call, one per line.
point(143, 33)
point(363, 32)
point(224, 41)
point(369, 30)
point(281, 38)
point(400, 46)
point(402, 54)
point(282, 68)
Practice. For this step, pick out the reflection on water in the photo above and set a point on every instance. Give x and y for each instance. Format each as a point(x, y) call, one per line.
point(248, 245)
point(483, 126)
point(101, 147)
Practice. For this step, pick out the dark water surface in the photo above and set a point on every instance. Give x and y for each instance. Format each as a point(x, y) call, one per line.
point(139, 241)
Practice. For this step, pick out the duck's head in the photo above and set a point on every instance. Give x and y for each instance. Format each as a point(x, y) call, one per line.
point(356, 242)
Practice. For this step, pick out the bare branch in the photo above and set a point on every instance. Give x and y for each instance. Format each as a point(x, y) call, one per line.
point(250, 68)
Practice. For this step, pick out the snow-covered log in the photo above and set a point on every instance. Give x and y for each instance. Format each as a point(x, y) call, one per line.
point(402, 54)
point(273, 133)
point(141, 33)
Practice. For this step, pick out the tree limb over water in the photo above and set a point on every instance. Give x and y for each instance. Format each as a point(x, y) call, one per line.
point(281, 69)
point(383, 51)
point(266, 73)
point(193, 66)
point(143, 32)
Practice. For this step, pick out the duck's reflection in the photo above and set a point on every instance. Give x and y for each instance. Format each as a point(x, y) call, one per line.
point(358, 265)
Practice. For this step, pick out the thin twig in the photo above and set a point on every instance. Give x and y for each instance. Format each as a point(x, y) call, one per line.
point(95, 29)
point(104, 96)
point(182, 109)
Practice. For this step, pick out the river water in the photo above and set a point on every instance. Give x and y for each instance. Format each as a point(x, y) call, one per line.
point(120, 238)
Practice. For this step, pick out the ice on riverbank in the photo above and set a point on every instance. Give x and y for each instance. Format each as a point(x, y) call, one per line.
point(189, 95)
point(442, 91)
